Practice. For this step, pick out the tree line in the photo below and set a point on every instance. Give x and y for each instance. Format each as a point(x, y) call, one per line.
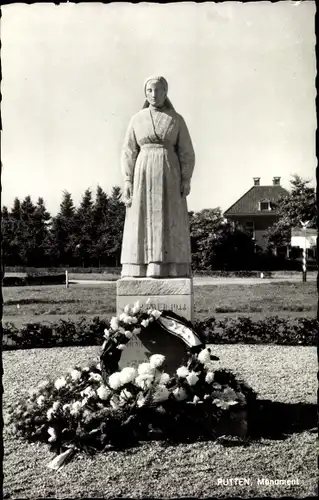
point(90, 235)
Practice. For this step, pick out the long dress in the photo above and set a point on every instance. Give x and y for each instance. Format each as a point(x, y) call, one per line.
point(157, 155)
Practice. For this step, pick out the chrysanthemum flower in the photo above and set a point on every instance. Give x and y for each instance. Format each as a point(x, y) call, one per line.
point(127, 375)
point(209, 377)
point(103, 392)
point(164, 379)
point(59, 383)
point(182, 372)
point(115, 380)
point(144, 381)
point(145, 368)
point(156, 360)
point(145, 323)
point(75, 374)
point(204, 356)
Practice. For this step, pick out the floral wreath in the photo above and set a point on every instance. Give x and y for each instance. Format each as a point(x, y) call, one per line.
point(90, 408)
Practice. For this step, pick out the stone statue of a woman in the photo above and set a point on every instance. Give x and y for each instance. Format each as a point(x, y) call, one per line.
point(157, 162)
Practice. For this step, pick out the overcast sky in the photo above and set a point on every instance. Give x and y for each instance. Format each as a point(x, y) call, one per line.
point(242, 76)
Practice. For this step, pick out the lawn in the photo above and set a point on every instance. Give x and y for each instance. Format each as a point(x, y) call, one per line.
point(285, 375)
point(48, 303)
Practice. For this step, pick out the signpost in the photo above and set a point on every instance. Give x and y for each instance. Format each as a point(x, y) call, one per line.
point(304, 239)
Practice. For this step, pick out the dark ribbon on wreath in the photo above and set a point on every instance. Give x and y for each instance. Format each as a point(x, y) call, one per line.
point(111, 355)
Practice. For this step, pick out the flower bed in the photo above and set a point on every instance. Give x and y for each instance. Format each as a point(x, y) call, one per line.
point(100, 406)
point(270, 330)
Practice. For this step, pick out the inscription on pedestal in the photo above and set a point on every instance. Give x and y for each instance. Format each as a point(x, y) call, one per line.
point(180, 304)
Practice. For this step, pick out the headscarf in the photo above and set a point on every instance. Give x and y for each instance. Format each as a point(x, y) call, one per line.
point(167, 102)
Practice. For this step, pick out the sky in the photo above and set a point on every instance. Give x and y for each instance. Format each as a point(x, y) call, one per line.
point(241, 74)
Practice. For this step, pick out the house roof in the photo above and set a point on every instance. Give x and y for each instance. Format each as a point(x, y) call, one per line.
point(248, 204)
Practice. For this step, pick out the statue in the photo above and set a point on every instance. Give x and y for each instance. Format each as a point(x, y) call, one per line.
point(157, 162)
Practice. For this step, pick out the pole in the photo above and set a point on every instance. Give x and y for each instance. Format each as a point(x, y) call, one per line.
point(304, 256)
point(66, 279)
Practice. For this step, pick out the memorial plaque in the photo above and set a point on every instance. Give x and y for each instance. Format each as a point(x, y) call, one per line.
point(154, 341)
point(174, 294)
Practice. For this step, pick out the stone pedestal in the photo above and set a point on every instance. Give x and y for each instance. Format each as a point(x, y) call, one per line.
point(174, 294)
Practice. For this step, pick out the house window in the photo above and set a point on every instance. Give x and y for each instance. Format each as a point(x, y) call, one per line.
point(264, 206)
point(249, 228)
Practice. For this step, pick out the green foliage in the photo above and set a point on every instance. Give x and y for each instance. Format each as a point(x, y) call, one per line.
point(271, 330)
point(216, 244)
point(298, 206)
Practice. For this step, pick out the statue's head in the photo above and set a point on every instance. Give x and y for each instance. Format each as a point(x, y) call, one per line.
point(155, 89)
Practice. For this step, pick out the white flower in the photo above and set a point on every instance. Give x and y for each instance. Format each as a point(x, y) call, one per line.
point(196, 399)
point(40, 400)
point(56, 405)
point(95, 376)
point(115, 380)
point(66, 407)
point(86, 369)
point(127, 375)
point(106, 333)
point(125, 395)
point(121, 347)
point(133, 320)
point(59, 383)
point(121, 329)
point(161, 394)
point(140, 400)
point(145, 323)
point(75, 375)
point(209, 377)
point(128, 334)
point(122, 316)
point(182, 372)
point(52, 434)
point(128, 319)
point(89, 392)
point(192, 378)
point(50, 414)
point(98, 366)
point(157, 360)
point(114, 402)
point(75, 407)
point(127, 309)
point(180, 393)
point(144, 381)
point(204, 356)
point(103, 392)
point(136, 331)
point(164, 379)
point(136, 308)
point(114, 323)
point(145, 368)
point(156, 313)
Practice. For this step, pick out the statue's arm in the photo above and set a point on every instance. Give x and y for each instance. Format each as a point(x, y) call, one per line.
point(186, 156)
point(130, 152)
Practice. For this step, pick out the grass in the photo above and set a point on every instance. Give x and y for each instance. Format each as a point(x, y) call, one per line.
point(47, 303)
point(284, 374)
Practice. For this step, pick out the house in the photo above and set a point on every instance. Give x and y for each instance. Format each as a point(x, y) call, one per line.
point(255, 211)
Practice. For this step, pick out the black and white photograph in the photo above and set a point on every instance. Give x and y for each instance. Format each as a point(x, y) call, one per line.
point(159, 250)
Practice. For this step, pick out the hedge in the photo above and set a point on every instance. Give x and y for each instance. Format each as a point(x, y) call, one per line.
point(29, 280)
point(240, 330)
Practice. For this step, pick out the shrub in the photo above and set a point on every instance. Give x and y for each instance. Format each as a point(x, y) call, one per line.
point(271, 330)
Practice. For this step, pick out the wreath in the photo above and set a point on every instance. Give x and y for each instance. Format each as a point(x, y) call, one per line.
point(100, 406)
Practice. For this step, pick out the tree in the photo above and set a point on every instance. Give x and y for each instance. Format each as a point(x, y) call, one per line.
point(296, 207)
point(116, 217)
point(101, 226)
point(85, 230)
point(64, 233)
point(216, 244)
